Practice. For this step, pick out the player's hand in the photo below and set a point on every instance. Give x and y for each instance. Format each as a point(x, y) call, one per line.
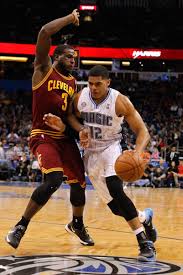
point(138, 154)
point(54, 122)
point(146, 156)
point(76, 15)
point(85, 137)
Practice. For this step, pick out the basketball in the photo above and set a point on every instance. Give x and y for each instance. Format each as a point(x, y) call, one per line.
point(130, 166)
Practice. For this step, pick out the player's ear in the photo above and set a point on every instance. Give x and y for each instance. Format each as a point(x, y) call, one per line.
point(108, 82)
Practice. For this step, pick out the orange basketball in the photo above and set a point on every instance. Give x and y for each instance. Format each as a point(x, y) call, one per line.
point(130, 166)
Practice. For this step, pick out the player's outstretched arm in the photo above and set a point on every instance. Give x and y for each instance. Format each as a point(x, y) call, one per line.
point(44, 37)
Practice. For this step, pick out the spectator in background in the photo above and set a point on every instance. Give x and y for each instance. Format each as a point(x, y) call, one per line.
point(155, 156)
point(9, 153)
point(158, 178)
point(34, 171)
point(5, 144)
point(163, 164)
point(2, 153)
point(22, 168)
point(174, 108)
point(171, 171)
point(12, 137)
point(18, 150)
point(179, 175)
point(173, 156)
point(146, 178)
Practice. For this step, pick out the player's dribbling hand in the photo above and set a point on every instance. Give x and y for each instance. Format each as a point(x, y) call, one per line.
point(54, 122)
point(76, 15)
point(141, 155)
point(84, 136)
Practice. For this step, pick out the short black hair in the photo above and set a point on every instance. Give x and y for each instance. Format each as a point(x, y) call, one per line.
point(99, 70)
point(60, 49)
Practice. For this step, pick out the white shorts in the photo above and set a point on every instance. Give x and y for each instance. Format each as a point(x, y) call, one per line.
point(99, 165)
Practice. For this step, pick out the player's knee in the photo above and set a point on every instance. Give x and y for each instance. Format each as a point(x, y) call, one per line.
point(126, 207)
point(77, 195)
point(51, 183)
point(114, 185)
point(121, 211)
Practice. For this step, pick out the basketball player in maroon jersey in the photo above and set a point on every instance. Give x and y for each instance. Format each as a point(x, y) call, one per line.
point(58, 155)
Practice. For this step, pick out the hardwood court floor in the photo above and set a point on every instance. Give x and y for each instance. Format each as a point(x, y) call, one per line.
point(46, 233)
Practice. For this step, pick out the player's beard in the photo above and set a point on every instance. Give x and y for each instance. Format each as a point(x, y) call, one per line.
point(64, 69)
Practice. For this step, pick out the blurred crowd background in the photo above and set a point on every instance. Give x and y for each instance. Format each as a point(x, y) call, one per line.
point(142, 24)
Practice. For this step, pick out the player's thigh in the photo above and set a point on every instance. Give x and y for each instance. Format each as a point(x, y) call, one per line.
point(93, 164)
point(48, 157)
point(95, 169)
point(102, 189)
point(72, 161)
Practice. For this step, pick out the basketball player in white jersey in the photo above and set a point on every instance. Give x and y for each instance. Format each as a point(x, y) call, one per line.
point(103, 110)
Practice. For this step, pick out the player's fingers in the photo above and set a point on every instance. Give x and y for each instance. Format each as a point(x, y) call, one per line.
point(45, 116)
point(51, 115)
point(83, 141)
point(47, 123)
point(52, 126)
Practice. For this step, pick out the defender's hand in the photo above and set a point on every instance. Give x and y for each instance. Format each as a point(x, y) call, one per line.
point(54, 122)
point(76, 15)
point(85, 138)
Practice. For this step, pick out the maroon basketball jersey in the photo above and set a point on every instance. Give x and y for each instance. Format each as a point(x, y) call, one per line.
point(52, 95)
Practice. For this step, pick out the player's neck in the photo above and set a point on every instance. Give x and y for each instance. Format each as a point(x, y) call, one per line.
point(101, 99)
point(61, 70)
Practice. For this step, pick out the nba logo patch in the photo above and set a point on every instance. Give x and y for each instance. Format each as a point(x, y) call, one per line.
point(83, 104)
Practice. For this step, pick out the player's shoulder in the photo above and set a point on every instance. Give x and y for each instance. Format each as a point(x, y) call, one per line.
point(114, 92)
point(123, 100)
point(123, 97)
point(117, 94)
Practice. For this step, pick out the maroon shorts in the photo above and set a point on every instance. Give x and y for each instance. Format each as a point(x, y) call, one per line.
point(59, 155)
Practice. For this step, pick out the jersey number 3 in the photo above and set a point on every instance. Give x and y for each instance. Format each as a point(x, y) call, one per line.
point(64, 105)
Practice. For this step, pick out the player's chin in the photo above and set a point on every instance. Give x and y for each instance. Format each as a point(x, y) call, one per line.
point(95, 96)
point(70, 68)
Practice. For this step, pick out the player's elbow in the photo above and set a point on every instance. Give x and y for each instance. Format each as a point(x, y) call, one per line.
point(44, 33)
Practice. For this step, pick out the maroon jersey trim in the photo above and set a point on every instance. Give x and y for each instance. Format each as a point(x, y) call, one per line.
point(55, 135)
point(43, 80)
point(83, 185)
point(55, 169)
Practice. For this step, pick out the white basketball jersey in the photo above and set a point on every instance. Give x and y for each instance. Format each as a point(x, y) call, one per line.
point(101, 118)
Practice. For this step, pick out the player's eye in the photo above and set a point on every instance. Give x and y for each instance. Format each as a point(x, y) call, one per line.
point(69, 56)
